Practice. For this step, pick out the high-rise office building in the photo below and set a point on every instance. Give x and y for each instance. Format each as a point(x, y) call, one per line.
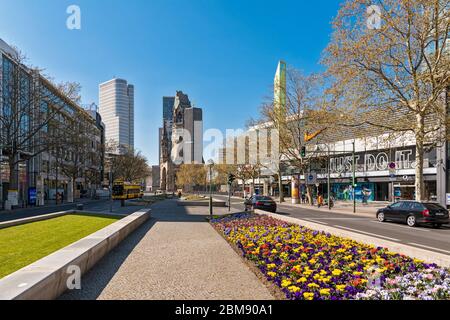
point(168, 103)
point(116, 107)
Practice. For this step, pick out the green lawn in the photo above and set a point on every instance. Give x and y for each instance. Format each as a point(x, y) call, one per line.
point(25, 244)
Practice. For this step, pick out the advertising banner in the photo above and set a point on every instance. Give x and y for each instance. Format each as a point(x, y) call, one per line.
point(295, 191)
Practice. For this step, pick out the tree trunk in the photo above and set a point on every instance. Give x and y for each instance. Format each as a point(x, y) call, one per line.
point(280, 186)
point(309, 194)
point(13, 175)
point(420, 135)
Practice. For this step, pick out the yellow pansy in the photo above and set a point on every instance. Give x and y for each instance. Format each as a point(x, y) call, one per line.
point(308, 295)
point(285, 283)
point(302, 280)
point(271, 266)
point(271, 274)
point(319, 254)
point(341, 287)
point(294, 289)
point(325, 292)
point(297, 269)
point(336, 272)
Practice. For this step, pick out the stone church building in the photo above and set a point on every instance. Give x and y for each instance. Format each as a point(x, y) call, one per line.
point(181, 139)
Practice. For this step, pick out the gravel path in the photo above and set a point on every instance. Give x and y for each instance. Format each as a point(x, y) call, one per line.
point(175, 255)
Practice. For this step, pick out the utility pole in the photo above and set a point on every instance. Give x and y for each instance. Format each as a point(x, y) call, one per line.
point(229, 197)
point(110, 190)
point(354, 178)
point(231, 179)
point(329, 178)
point(210, 165)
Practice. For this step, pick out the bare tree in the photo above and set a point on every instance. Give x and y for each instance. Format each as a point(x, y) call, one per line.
point(71, 89)
point(301, 121)
point(190, 176)
point(30, 103)
point(76, 153)
point(393, 76)
point(130, 165)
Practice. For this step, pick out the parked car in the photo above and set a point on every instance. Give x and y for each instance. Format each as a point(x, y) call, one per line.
point(261, 203)
point(414, 213)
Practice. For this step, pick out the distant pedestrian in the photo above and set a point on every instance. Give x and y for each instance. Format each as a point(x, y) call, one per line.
point(319, 201)
point(366, 196)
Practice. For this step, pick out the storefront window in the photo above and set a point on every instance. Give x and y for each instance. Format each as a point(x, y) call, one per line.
point(345, 192)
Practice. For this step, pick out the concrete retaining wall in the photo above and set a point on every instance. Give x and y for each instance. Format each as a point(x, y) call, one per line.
point(413, 252)
point(47, 278)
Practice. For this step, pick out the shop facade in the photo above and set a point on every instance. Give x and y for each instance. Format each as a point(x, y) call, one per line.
point(381, 175)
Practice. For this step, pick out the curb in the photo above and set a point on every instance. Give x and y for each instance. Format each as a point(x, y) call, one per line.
point(48, 278)
point(200, 204)
point(413, 252)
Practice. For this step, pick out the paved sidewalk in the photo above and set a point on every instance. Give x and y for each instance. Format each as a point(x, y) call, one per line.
point(175, 255)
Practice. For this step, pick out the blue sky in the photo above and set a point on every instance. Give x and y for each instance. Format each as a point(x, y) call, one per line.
point(223, 53)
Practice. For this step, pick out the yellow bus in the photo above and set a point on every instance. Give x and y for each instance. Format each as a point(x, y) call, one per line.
point(125, 191)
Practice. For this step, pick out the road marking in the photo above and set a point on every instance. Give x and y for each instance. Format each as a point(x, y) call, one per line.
point(428, 248)
point(347, 219)
point(315, 221)
point(404, 227)
point(367, 233)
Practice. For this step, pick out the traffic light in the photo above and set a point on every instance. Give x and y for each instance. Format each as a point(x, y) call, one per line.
point(303, 152)
point(231, 178)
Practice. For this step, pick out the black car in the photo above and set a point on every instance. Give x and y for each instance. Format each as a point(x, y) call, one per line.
point(414, 213)
point(261, 203)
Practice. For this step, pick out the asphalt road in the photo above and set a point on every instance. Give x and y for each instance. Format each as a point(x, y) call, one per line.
point(423, 237)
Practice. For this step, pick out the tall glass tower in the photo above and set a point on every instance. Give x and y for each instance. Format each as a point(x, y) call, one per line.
point(116, 107)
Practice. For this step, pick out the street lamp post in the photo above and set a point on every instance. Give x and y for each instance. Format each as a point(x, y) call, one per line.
point(110, 155)
point(210, 165)
point(110, 191)
point(329, 178)
point(328, 175)
point(354, 178)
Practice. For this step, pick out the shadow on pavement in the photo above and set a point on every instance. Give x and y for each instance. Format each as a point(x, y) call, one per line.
point(95, 280)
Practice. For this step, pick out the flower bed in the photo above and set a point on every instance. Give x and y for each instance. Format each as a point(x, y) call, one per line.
point(311, 265)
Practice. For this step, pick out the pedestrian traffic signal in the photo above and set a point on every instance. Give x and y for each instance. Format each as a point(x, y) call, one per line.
point(231, 178)
point(303, 152)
